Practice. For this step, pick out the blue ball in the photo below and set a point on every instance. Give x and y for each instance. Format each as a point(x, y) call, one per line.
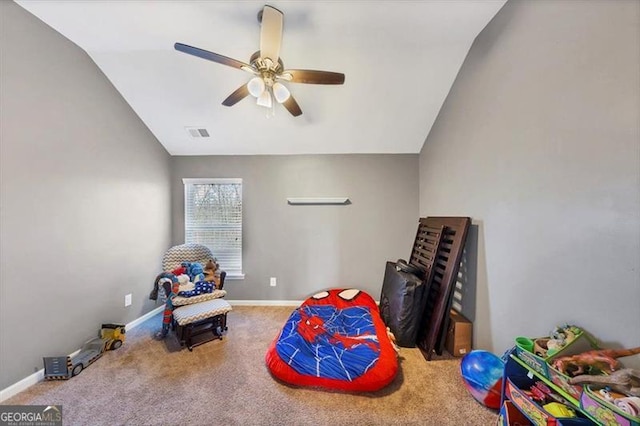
point(482, 373)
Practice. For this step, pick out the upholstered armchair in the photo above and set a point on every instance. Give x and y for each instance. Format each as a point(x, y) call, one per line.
point(190, 315)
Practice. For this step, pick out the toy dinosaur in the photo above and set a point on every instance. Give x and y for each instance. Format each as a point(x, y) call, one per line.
point(592, 362)
point(626, 381)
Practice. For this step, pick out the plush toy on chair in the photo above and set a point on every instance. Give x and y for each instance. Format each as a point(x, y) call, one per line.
point(211, 273)
point(194, 270)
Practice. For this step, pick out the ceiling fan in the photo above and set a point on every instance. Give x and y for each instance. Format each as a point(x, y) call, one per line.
point(267, 68)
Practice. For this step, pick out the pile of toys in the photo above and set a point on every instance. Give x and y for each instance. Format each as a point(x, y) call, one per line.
point(600, 369)
point(552, 402)
point(548, 346)
point(571, 359)
point(562, 378)
point(559, 338)
point(188, 280)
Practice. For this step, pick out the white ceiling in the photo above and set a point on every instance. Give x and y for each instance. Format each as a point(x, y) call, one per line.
point(400, 59)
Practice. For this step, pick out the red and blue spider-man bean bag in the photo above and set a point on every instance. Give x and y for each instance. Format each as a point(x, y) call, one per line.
point(335, 340)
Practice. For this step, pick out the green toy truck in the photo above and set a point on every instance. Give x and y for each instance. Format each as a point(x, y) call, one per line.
point(112, 336)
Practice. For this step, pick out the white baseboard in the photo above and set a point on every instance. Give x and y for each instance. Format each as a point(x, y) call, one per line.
point(38, 376)
point(23, 384)
point(136, 322)
point(264, 302)
point(269, 302)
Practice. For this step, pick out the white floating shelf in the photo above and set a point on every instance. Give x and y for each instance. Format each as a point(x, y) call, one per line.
point(319, 200)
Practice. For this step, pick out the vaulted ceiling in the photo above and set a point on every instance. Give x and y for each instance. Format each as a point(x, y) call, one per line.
point(400, 59)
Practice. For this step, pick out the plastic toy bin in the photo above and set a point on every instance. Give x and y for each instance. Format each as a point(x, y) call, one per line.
point(515, 391)
point(511, 416)
point(605, 412)
point(543, 365)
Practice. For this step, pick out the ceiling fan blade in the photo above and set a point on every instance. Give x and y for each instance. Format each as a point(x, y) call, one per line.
point(312, 77)
point(205, 54)
point(292, 106)
point(240, 93)
point(271, 34)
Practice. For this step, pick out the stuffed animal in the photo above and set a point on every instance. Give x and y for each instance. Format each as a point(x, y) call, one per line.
point(193, 269)
point(179, 271)
point(630, 405)
point(185, 283)
point(560, 337)
point(210, 270)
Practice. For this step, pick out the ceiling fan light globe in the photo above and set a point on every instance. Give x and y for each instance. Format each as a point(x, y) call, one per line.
point(265, 99)
point(280, 92)
point(256, 87)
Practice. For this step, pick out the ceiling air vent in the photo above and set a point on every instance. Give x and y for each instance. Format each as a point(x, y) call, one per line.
point(197, 132)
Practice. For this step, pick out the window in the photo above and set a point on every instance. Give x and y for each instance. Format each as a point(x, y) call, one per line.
point(213, 217)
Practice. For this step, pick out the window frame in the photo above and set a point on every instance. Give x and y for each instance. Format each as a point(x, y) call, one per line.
point(231, 275)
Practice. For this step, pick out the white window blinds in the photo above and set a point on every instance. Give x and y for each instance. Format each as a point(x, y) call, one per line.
point(213, 217)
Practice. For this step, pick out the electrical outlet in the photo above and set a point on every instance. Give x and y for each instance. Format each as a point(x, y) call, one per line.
point(127, 300)
point(272, 282)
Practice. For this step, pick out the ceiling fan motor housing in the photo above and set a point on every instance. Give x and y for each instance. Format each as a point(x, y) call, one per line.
point(267, 67)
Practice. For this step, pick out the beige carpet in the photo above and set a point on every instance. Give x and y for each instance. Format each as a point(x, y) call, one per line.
point(148, 382)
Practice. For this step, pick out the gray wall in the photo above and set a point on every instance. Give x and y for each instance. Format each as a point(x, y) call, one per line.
point(308, 248)
point(85, 213)
point(539, 142)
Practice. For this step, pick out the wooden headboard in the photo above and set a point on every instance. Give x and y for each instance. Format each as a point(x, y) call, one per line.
point(445, 256)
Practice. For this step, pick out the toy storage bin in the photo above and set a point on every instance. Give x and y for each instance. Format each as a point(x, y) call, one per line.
point(511, 416)
point(562, 381)
point(514, 390)
point(604, 411)
point(542, 365)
